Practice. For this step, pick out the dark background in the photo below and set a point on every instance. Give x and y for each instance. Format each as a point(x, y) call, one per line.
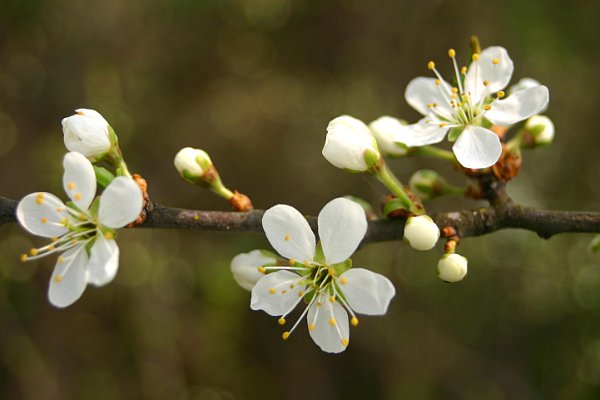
point(255, 83)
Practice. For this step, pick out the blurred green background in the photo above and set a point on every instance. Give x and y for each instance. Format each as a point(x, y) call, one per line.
point(255, 82)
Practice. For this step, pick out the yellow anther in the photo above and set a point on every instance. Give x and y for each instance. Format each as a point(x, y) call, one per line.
point(77, 196)
point(40, 199)
point(311, 327)
point(435, 105)
point(500, 94)
point(443, 124)
point(292, 261)
point(51, 247)
point(300, 293)
point(488, 107)
point(332, 321)
point(262, 269)
point(438, 82)
point(451, 53)
point(354, 321)
point(58, 278)
point(285, 335)
point(465, 97)
point(496, 61)
point(109, 235)
point(453, 96)
point(286, 237)
point(431, 65)
point(292, 286)
point(307, 263)
point(454, 90)
point(44, 220)
point(59, 209)
point(61, 259)
point(332, 299)
point(463, 70)
point(54, 239)
point(284, 291)
point(345, 342)
point(281, 321)
point(34, 252)
point(272, 291)
point(23, 257)
point(486, 82)
point(71, 185)
point(331, 271)
point(475, 57)
point(343, 281)
point(429, 105)
point(196, 217)
point(319, 304)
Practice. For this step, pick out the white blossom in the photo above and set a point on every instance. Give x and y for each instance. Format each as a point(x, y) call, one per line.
point(421, 232)
point(452, 267)
point(541, 129)
point(87, 132)
point(348, 142)
point(192, 163)
point(83, 233)
point(320, 275)
point(467, 109)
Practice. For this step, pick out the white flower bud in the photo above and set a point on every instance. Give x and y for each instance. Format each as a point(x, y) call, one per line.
point(421, 232)
point(245, 267)
point(350, 145)
point(452, 267)
point(87, 132)
point(523, 84)
point(192, 164)
point(389, 131)
point(541, 129)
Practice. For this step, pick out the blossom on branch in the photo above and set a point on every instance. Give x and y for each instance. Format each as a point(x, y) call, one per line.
point(320, 275)
point(83, 230)
point(88, 133)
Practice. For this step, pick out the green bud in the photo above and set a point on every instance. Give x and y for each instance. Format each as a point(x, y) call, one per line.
point(428, 184)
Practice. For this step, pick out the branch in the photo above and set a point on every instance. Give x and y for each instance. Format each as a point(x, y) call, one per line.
point(502, 214)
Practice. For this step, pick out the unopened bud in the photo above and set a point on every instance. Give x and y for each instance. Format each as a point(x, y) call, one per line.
point(452, 267)
point(193, 164)
point(349, 145)
point(541, 130)
point(248, 268)
point(428, 184)
point(388, 132)
point(88, 133)
point(421, 232)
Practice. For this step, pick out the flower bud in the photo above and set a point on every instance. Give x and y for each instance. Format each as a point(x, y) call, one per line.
point(421, 232)
point(523, 84)
point(193, 165)
point(350, 145)
point(88, 133)
point(428, 184)
point(452, 267)
point(246, 267)
point(387, 131)
point(541, 130)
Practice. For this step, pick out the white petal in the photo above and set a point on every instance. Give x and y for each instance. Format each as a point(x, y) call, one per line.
point(347, 141)
point(519, 106)
point(277, 292)
point(328, 325)
point(289, 233)
point(477, 147)
point(244, 267)
point(104, 261)
point(423, 91)
point(423, 133)
point(79, 179)
point(497, 75)
point(41, 214)
point(524, 83)
point(120, 203)
point(366, 292)
point(342, 225)
point(87, 133)
point(387, 130)
point(69, 278)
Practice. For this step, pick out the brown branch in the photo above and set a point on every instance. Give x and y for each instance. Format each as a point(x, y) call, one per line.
point(502, 214)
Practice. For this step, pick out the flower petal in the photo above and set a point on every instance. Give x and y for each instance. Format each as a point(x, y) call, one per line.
point(277, 292)
point(328, 325)
point(41, 214)
point(477, 147)
point(519, 106)
point(289, 233)
point(366, 292)
point(104, 261)
point(79, 179)
point(120, 203)
point(422, 133)
point(497, 75)
point(69, 278)
point(422, 91)
point(244, 267)
point(342, 225)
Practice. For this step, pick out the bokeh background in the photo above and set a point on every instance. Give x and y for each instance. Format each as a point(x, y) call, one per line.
point(255, 82)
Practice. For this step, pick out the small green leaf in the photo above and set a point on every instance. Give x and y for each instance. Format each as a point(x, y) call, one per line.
point(393, 205)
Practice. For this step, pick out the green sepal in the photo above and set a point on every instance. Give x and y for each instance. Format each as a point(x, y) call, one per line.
point(112, 136)
point(89, 245)
point(392, 205)
point(454, 134)
point(319, 255)
point(95, 207)
point(103, 176)
point(536, 130)
point(342, 267)
point(373, 159)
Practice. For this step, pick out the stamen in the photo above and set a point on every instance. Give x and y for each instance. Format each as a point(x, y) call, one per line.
point(272, 290)
point(487, 107)
point(431, 65)
point(354, 321)
point(109, 235)
point(285, 335)
point(34, 252)
point(475, 57)
point(77, 196)
point(496, 61)
point(332, 321)
point(58, 278)
point(451, 53)
point(463, 70)
point(44, 220)
point(500, 94)
point(286, 237)
point(302, 315)
point(343, 281)
point(262, 269)
point(281, 321)
point(24, 257)
point(345, 342)
point(71, 185)
point(486, 82)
